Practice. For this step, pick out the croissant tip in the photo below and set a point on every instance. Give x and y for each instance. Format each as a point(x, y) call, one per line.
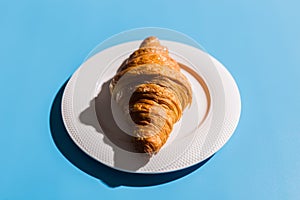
point(150, 41)
point(151, 38)
point(143, 147)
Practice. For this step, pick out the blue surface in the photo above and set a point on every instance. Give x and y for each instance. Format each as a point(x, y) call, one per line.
point(43, 42)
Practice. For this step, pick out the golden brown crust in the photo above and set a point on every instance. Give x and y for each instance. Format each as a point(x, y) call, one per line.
point(160, 93)
point(149, 56)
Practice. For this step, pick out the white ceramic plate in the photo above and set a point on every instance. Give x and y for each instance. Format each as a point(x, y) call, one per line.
point(203, 129)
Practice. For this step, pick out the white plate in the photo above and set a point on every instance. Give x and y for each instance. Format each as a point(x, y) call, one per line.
point(203, 129)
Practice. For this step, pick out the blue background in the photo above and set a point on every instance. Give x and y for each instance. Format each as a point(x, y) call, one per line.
point(43, 42)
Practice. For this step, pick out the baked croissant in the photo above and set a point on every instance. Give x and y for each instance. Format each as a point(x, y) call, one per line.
point(150, 88)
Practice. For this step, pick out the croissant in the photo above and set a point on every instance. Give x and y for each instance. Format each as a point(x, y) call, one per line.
point(150, 88)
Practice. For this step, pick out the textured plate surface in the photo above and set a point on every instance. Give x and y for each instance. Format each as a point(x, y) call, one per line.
point(203, 129)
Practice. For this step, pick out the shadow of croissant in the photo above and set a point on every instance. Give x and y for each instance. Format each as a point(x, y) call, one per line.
point(109, 176)
point(99, 116)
